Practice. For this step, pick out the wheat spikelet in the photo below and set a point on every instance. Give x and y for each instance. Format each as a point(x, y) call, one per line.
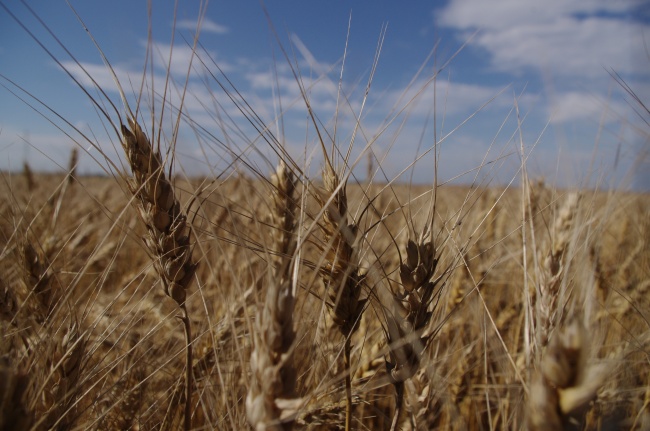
point(536, 191)
point(458, 285)
point(407, 323)
point(8, 303)
point(72, 165)
point(273, 377)
point(121, 405)
point(405, 334)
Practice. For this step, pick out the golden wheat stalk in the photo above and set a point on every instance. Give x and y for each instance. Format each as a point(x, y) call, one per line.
point(273, 377)
point(340, 271)
point(169, 233)
point(411, 315)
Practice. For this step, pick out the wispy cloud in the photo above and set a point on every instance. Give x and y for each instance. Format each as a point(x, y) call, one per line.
point(577, 105)
point(207, 26)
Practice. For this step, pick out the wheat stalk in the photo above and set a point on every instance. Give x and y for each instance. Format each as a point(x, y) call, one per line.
point(340, 270)
point(273, 377)
point(407, 323)
point(168, 231)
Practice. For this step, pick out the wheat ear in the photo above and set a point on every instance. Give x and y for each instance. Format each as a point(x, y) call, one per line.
point(29, 177)
point(273, 377)
point(553, 266)
point(565, 382)
point(38, 280)
point(341, 273)
point(168, 232)
point(407, 323)
point(69, 354)
point(72, 165)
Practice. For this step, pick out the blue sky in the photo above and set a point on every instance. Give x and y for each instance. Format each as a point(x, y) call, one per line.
point(552, 62)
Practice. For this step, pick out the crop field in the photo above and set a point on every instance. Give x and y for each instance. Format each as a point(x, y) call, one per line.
point(480, 328)
point(302, 298)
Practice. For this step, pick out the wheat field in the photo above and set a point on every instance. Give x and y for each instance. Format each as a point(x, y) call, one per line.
point(301, 298)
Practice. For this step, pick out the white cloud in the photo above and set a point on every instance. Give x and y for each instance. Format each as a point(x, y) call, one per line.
point(573, 38)
point(574, 105)
point(49, 150)
point(453, 98)
point(181, 56)
point(497, 15)
point(101, 75)
point(207, 26)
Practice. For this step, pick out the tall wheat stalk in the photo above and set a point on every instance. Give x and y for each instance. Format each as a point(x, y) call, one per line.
point(407, 322)
point(273, 376)
point(343, 278)
point(168, 232)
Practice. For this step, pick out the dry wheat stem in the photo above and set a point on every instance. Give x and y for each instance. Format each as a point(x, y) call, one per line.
point(411, 315)
point(341, 273)
point(273, 376)
point(169, 233)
